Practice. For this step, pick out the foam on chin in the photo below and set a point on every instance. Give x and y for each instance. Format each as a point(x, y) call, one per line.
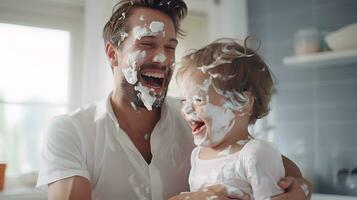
point(146, 95)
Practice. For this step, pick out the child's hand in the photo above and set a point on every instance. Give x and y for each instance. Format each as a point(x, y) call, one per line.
point(296, 189)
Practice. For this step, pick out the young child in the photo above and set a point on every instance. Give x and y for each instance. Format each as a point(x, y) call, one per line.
point(226, 87)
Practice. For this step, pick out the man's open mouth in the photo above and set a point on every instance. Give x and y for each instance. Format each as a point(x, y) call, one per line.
point(154, 78)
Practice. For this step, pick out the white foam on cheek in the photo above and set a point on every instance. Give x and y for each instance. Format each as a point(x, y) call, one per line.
point(188, 111)
point(130, 72)
point(145, 95)
point(222, 121)
point(161, 58)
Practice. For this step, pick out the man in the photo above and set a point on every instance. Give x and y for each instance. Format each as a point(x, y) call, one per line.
point(134, 145)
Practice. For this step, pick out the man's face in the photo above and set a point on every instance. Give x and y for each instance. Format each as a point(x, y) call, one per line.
point(146, 57)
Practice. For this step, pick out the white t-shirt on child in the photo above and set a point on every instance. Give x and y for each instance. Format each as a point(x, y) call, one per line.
point(254, 170)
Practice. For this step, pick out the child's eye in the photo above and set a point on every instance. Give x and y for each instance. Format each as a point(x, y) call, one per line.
point(183, 100)
point(198, 99)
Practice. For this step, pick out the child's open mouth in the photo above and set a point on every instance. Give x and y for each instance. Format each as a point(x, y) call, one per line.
point(197, 126)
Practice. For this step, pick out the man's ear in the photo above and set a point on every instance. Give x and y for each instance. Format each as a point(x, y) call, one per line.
point(110, 51)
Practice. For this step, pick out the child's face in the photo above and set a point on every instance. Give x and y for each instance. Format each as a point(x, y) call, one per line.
point(204, 109)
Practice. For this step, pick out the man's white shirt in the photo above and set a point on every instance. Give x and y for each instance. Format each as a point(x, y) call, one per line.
point(90, 143)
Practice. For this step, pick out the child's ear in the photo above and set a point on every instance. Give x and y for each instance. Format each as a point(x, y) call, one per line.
point(110, 51)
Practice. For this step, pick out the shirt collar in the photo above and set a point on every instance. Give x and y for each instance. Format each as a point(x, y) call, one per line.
point(103, 108)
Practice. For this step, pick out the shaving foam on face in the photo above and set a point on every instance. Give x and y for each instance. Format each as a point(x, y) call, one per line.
point(130, 72)
point(146, 136)
point(222, 121)
point(122, 35)
point(154, 29)
point(146, 95)
point(133, 105)
point(188, 111)
point(141, 31)
point(222, 116)
point(160, 58)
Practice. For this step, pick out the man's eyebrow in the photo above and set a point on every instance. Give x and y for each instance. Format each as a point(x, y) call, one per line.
point(153, 37)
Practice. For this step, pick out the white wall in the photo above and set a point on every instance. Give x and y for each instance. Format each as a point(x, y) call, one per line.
point(228, 18)
point(207, 21)
point(97, 75)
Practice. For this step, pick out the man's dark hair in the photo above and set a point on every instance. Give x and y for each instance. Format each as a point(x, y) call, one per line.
point(175, 9)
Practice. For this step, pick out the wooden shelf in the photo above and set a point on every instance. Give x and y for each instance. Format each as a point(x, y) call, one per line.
point(323, 59)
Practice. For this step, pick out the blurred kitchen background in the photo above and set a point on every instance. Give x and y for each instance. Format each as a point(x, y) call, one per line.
point(52, 60)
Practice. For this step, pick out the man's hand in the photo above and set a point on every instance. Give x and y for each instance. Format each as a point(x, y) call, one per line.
point(295, 189)
point(215, 192)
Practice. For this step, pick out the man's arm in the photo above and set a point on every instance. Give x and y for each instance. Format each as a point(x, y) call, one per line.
point(295, 186)
point(73, 188)
point(291, 184)
point(291, 169)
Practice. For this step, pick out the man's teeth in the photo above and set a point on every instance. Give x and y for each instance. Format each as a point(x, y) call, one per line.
point(154, 74)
